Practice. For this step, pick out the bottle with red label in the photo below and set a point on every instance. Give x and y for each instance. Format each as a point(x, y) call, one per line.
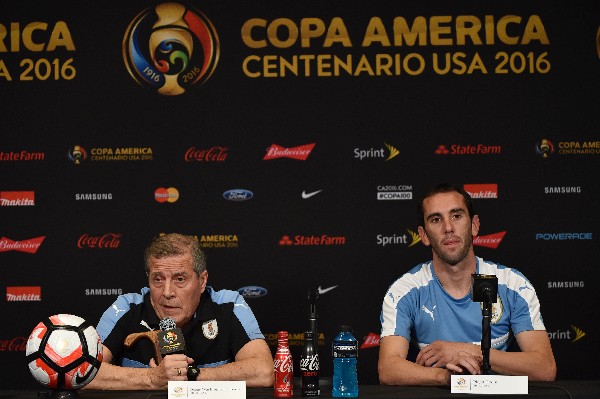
point(284, 368)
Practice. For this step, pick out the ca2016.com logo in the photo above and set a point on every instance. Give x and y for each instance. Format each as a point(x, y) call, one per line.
point(170, 48)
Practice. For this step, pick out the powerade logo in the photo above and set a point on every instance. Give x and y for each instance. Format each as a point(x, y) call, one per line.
point(563, 236)
point(170, 47)
point(252, 291)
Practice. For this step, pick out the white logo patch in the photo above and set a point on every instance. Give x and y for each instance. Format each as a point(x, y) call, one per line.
point(210, 329)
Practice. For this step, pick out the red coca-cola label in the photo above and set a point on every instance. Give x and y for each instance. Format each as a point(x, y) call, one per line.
point(213, 154)
point(108, 240)
point(284, 375)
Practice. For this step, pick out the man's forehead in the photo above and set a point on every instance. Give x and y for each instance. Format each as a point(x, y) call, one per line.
point(444, 202)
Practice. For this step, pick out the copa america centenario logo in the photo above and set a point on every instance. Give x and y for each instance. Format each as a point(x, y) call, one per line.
point(544, 148)
point(170, 48)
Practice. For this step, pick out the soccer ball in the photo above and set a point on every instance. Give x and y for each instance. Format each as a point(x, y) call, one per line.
point(64, 352)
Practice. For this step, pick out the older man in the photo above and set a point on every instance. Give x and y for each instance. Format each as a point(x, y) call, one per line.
point(222, 338)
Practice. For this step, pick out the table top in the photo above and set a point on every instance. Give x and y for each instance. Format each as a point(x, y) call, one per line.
point(568, 389)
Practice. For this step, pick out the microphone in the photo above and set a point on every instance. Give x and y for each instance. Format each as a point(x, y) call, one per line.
point(170, 337)
point(171, 341)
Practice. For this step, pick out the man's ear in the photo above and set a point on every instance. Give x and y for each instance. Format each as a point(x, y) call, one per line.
point(203, 280)
point(423, 235)
point(475, 226)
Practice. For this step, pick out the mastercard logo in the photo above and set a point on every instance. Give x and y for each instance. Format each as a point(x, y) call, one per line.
point(166, 194)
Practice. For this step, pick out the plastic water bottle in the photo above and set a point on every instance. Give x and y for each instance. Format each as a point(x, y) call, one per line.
point(345, 354)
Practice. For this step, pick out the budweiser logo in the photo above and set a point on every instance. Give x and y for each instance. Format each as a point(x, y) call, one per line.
point(108, 240)
point(17, 294)
point(30, 246)
point(17, 344)
point(309, 363)
point(489, 241)
point(482, 191)
point(370, 341)
point(214, 154)
point(300, 153)
point(17, 198)
point(284, 364)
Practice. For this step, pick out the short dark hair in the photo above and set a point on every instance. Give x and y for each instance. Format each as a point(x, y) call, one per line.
point(174, 244)
point(444, 188)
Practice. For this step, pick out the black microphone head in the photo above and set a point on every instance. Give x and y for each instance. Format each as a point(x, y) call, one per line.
point(167, 324)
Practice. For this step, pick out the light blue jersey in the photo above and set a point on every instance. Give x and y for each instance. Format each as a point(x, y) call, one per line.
point(419, 309)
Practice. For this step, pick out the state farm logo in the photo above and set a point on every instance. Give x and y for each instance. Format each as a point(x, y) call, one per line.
point(108, 240)
point(29, 246)
point(170, 194)
point(21, 156)
point(17, 198)
point(312, 240)
point(19, 294)
point(490, 240)
point(16, 344)
point(213, 154)
point(468, 149)
point(370, 341)
point(482, 191)
point(299, 153)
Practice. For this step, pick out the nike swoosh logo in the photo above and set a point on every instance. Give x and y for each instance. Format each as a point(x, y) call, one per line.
point(308, 195)
point(325, 290)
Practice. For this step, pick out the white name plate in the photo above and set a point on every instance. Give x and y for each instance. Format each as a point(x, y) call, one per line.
point(489, 384)
point(207, 389)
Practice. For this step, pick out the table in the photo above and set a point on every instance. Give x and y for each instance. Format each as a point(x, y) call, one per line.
point(571, 389)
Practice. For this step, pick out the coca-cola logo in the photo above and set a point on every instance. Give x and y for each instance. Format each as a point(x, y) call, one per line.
point(284, 364)
point(310, 363)
point(16, 344)
point(108, 240)
point(29, 246)
point(213, 154)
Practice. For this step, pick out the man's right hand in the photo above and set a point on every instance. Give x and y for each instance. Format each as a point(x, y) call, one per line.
point(171, 368)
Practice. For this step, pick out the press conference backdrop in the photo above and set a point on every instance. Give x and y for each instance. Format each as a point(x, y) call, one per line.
point(292, 139)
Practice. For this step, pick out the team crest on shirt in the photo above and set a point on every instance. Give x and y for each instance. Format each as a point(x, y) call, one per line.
point(497, 310)
point(210, 329)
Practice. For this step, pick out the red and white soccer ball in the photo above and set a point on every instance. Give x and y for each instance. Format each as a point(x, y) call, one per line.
point(64, 352)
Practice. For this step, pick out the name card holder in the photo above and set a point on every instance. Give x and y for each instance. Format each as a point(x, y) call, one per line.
point(489, 384)
point(207, 389)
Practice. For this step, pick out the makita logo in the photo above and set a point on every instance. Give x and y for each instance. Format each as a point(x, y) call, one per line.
point(17, 198)
point(300, 153)
point(482, 191)
point(17, 294)
point(213, 154)
point(29, 246)
point(108, 240)
point(322, 240)
point(489, 241)
point(371, 341)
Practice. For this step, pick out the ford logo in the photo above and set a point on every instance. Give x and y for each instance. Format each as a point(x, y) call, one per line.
point(237, 195)
point(252, 291)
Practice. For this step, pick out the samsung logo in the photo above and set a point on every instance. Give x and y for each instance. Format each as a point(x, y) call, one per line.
point(252, 291)
point(238, 195)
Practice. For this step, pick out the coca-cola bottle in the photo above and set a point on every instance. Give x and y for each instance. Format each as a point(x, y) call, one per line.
point(284, 368)
point(309, 366)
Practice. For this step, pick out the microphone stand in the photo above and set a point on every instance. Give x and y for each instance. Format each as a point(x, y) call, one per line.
point(486, 334)
point(485, 290)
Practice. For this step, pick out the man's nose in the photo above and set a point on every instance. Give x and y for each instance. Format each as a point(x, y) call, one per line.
point(168, 291)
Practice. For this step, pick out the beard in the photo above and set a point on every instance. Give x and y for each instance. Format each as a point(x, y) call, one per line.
point(452, 257)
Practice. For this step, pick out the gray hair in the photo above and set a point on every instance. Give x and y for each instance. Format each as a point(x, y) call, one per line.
point(174, 244)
